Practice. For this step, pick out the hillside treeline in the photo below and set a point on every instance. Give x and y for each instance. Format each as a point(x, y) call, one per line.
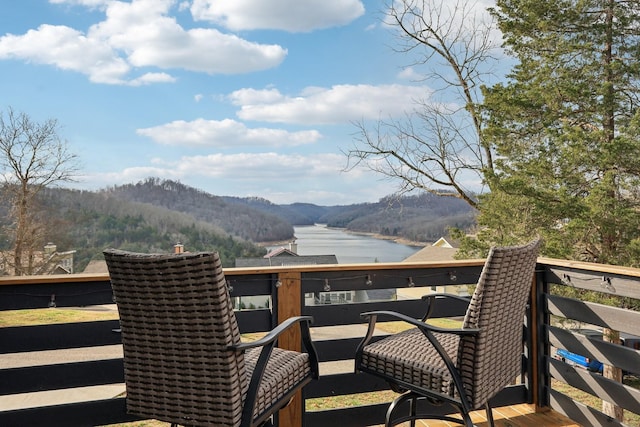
point(236, 219)
point(420, 218)
point(153, 215)
point(88, 222)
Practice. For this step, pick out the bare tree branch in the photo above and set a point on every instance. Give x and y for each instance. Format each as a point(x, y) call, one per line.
point(32, 157)
point(438, 147)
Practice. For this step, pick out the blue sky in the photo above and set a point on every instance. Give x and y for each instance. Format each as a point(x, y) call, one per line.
point(234, 97)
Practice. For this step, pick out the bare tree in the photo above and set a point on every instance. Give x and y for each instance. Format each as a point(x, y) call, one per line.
point(439, 145)
point(32, 157)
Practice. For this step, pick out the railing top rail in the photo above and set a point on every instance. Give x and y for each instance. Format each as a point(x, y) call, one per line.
point(551, 262)
point(590, 266)
point(54, 278)
point(353, 267)
point(101, 277)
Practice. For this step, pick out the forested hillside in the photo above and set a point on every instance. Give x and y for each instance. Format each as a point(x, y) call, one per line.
point(240, 220)
point(153, 215)
point(88, 222)
point(295, 214)
point(421, 218)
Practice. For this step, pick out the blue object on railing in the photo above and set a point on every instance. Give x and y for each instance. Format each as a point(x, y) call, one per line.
point(576, 359)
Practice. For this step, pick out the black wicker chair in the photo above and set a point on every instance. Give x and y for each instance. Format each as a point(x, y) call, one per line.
point(464, 367)
point(183, 359)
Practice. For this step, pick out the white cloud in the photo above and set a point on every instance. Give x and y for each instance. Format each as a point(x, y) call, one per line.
point(410, 74)
point(280, 178)
point(262, 166)
point(239, 167)
point(225, 134)
point(150, 78)
point(136, 34)
point(288, 15)
point(87, 3)
point(150, 37)
point(338, 104)
point(253, 96)
point(127, 176)
point(67, 49)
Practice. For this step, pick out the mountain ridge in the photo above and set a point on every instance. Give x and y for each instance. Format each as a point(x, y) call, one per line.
point(154, 214)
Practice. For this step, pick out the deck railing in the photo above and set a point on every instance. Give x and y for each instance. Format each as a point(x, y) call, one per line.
point(563, 323)
point(297, 290)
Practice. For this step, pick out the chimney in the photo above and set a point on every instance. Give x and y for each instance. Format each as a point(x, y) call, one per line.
point(178, 248)
point(50, 248)
point(293, 246)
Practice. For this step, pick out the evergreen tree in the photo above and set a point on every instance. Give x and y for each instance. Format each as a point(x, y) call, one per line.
point(565, 128)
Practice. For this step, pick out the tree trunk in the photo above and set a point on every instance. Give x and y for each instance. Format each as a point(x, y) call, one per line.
point(613, 373)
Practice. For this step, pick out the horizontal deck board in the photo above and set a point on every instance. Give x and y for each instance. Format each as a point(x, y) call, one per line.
point(59, 336)
point(348, 314)
point(95, 413)
point(612, 354)
point(61, 376)
point(614, 318)
point(581, 414)
point(596, 385)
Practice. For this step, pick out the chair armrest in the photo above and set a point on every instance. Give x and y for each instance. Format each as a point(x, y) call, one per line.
point(426, 329)
point(372, 315)
point(267, 343)
point(273, 335)
point(431, 302)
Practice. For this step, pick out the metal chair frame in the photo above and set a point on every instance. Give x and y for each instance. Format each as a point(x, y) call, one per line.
point(458, 395)
point(177, 319)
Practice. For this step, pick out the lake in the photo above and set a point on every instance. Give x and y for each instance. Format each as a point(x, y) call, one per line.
point(349, 248)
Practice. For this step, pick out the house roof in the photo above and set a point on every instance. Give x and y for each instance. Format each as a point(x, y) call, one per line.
point(441, 250)
point(286, 260)
point(280, 252)
point(96, 266)
point(48, 261)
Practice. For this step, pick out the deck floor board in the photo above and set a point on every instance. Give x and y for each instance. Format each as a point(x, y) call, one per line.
point(509, 416)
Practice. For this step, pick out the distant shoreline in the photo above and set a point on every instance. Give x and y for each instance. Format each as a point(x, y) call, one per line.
point(395, 239)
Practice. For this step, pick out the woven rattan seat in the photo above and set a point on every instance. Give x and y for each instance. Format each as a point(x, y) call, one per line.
point(183, 357)
point(464, 367)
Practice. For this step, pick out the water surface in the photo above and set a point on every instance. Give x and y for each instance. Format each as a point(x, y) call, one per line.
point(347, 247)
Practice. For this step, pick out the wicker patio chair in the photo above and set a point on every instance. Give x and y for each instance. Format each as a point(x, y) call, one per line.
point(183, 359)
point(464, 367)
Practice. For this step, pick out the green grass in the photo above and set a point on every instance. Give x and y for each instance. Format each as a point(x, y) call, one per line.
point(631, 419)
point(350, 400)
point(63, 315)
point(44, 316)
point(399, 326)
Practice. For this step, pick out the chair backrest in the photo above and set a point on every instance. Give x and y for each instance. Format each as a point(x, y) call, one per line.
point(493, 359)
point(177, 322)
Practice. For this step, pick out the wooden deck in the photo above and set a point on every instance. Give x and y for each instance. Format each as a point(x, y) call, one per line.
point(509, 416)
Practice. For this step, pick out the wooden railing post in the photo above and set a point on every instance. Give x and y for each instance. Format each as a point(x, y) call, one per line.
point(538, 343)
point(289, 305)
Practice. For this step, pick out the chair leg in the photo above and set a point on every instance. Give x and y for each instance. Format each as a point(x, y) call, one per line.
point(487, 407)
point(466, 420)
point(397, 402)
point(412, 411)
point(412, 399)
